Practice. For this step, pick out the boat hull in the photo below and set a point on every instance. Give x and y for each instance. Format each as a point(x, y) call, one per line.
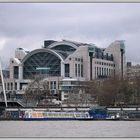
point(68, 119)
point(55, 119)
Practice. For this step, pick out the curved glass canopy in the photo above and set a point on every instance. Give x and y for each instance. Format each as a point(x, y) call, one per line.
point(41, 60)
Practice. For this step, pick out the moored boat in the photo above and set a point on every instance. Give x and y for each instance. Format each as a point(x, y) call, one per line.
point(96, 113)
point(40, 115)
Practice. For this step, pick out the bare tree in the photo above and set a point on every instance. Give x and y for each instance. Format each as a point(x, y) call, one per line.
point(107, 91)
point(136, 89)
point(115, 91)
point(36, 90)
point(83, 93)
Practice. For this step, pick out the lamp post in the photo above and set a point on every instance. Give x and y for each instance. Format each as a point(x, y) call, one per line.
point(122, 49)
point(3, 86)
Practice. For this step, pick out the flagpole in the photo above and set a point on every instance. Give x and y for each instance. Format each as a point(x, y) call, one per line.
point(3, 86)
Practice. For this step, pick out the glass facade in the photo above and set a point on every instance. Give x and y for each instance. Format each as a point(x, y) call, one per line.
point(99, 53)
point(41, 59)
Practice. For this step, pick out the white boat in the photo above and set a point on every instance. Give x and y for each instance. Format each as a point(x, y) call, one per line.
point(44, 115)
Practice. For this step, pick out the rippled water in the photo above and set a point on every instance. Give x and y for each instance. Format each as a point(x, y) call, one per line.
point(69, 129)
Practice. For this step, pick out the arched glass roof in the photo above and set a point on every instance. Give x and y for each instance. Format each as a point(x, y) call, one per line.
point(65, 48)
point(41, 59)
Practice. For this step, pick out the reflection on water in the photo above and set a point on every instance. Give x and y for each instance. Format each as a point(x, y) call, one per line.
point(69, 128)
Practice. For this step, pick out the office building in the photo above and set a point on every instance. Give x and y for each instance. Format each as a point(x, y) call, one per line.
point(59, 60)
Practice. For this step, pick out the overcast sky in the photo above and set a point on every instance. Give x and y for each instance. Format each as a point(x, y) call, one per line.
point(27, 25)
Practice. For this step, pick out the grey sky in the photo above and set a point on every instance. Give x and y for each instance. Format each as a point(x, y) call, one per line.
point(27, 25)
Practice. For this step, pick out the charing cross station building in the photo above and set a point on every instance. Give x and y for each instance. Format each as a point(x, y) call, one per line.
point(65, 62)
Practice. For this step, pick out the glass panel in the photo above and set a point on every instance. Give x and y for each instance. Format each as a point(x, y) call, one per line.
point(43, 60)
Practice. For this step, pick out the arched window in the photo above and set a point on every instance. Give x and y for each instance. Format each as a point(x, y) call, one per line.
point(44, 60)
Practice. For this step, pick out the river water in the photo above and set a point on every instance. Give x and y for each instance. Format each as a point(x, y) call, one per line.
point(53, 129)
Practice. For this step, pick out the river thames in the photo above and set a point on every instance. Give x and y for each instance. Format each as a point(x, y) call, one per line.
point(70, 129)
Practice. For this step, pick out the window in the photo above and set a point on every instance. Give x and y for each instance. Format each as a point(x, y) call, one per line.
point(105, 71)
point(102, 71)
point(67, 70)
point(97, 71)
point(42, 59)
point(11, 86)
point(76, 70)
point(81, 70)
point(109, 71)
point(66, 96)
point(53, 85)
point(8, 86)
point(15, 86)
point(16, 72)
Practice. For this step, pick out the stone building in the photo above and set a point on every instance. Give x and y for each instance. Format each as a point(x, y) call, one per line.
point(58, 60)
